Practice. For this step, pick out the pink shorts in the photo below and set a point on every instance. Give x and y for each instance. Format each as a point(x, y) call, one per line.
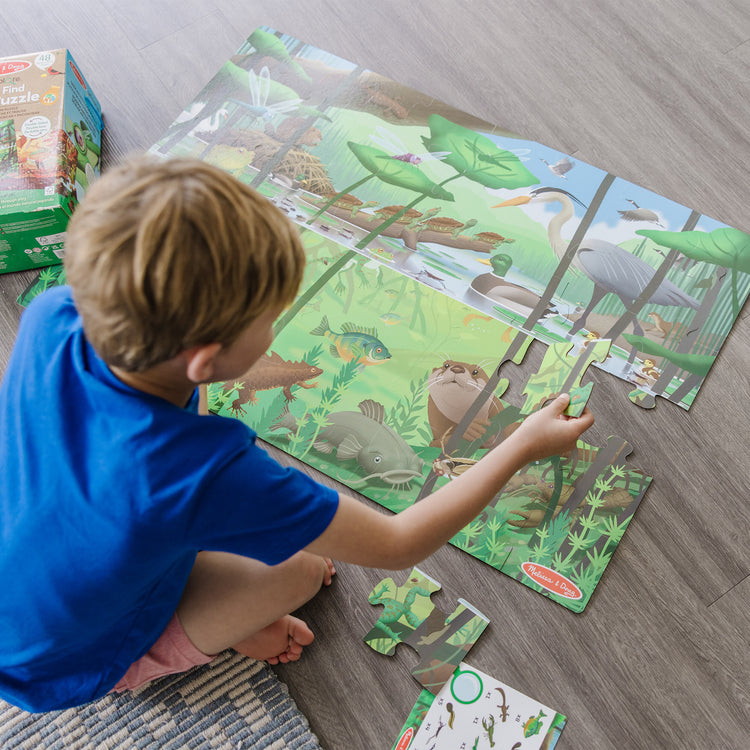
point(172, 653)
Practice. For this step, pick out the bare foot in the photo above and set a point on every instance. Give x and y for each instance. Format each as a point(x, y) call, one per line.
point(280, 642)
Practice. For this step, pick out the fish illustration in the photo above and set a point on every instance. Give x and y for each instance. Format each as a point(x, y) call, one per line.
point(390, 319)
point(533, 725)
point(363, 436)
point(354, 342)
point(475, 316)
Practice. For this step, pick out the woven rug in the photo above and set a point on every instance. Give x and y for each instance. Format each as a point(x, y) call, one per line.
point(233, 702)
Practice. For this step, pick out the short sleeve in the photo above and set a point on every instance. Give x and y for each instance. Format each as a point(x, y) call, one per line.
point(254, 506)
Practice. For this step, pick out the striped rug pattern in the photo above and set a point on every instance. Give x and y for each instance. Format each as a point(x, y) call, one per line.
point(233, 703)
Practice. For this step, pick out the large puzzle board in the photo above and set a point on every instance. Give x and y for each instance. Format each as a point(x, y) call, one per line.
point(519, 232)
point(418, 287)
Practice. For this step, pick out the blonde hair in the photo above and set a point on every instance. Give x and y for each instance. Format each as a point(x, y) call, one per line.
point(165, 255)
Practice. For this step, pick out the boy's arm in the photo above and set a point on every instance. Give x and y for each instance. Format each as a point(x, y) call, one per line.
point(362, 535)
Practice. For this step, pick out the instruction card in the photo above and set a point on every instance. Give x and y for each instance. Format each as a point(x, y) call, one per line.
point(474, 711)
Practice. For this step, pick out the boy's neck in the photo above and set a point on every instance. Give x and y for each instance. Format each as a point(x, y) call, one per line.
point(166, 380)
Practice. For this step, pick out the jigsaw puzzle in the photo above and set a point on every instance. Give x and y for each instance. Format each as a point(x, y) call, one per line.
point(410, 617)
point(518, 231)
point(474, 711)
point(321, 395)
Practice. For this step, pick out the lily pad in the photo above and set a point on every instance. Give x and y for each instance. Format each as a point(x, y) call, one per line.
point(396, 172)
point(475, 156)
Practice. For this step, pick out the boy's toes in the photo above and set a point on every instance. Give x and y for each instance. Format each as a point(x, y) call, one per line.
point(299, 633)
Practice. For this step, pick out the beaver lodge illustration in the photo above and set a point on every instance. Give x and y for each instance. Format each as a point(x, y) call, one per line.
point(256, 148)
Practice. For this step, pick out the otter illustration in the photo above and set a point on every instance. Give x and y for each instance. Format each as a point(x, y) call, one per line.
point(453, 387)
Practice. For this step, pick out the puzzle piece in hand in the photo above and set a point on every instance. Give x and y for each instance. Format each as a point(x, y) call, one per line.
point(409, 616)
point(561, 372)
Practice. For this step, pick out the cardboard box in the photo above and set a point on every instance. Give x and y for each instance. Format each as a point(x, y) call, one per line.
point(50, 144)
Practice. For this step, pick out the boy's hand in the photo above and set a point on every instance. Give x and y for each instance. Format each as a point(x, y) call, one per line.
point(550, 432)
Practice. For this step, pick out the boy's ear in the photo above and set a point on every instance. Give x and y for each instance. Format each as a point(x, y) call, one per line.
point(200, 361)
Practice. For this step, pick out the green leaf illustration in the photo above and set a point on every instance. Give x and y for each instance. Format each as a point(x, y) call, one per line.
point(698, 364)
point(396, 172)
point(269, 44)
point(726, 247)
point(475, 156)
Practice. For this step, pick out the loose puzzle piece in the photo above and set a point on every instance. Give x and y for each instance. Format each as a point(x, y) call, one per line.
point(410, 617)
point(561, 372)
point(474, 711)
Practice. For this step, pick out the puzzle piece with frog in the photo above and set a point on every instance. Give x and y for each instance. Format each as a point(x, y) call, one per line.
point(561, 372)
point(409, 616)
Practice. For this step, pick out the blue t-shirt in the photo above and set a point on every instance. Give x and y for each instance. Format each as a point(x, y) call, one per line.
point(106, 496)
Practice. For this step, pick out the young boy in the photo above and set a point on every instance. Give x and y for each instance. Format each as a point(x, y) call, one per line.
point(139, 537)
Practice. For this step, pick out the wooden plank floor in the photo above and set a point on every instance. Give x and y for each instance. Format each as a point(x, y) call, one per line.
point(656, 93)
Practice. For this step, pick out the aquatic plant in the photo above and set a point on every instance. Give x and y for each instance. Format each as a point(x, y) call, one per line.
point(471, 154)
point(269, 44)
point(316, 419)
point(469, 535)
point(468, 633)
point(219, 395)
point(697, 364)
point(496, 534)
point(392, 171)
point(726, 247)
point(583, 538)
point(549, 539)
point(407, 417)
point(613, 530)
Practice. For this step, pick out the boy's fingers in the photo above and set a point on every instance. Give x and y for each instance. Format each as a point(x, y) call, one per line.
point(586, 418)
point(560, 404)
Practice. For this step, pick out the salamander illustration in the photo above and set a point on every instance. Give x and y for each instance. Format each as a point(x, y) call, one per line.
point(270, 371)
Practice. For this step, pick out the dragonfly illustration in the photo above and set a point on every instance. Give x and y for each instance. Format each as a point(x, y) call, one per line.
point(260, 87)
point(390, 142)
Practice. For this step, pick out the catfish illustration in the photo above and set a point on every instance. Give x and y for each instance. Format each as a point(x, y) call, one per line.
point(363, 436)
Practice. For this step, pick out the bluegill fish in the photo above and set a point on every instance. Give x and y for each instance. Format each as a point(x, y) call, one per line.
point(354, 342)
point(363, 436)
